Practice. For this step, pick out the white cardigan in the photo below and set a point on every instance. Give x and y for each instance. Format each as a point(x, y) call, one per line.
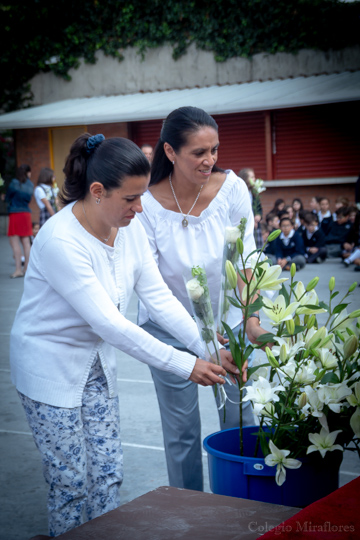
point(75, 297)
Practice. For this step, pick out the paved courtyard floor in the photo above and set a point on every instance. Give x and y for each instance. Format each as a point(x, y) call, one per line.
point(22, 488)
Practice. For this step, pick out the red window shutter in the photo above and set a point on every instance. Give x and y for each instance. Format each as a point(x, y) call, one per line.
point(147, 132)
point(317, 142)
point(242, 142)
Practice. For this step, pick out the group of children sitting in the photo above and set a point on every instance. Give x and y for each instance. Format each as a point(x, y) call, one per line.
point(312, 235)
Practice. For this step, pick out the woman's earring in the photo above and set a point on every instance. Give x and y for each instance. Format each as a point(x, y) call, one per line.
point(98, 201)
point(173, 162)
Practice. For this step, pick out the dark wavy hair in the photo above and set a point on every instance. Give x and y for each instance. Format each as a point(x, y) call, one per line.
point(46, 176)
point(108, 163)
point(175, 130)
point(22, 173)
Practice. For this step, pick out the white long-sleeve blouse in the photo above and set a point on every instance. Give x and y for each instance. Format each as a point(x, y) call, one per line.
point(176, 249)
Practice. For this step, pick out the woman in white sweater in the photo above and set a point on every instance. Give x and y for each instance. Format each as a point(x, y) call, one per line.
point(85, 263)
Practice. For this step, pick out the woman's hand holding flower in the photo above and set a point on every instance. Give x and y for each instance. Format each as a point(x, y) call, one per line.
point(207, 374)
point(228, 363)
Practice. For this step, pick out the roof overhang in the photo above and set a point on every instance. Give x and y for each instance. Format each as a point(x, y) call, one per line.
point(235, 98)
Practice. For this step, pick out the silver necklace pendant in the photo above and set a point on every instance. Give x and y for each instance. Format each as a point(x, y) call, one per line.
point(185, 222)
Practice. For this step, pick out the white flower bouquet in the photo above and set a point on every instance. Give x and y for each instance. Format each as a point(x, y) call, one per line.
point(199, 296)
point(306, 393)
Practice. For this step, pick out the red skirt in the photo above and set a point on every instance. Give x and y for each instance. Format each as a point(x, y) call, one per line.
point(20, 224)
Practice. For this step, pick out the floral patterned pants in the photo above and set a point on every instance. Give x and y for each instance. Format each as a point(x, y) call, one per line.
point(81, 454)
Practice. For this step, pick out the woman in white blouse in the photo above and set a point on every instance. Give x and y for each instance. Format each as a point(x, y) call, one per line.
point(185, 212)
point(84, 266)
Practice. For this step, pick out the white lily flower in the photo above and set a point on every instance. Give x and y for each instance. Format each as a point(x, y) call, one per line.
point(279, 458)
point(262, 392)
point(261, 372)
point(289, 368)
point(314, 335)
point(195, 289)
point(314, 405)
point(310, 299)
point(324, 442)
point(341, 321)
point(277, 311)
point(332, 395)
point(232, 234)
point(355, 422)
point(306, 374)
point(327, 359)
point(291, 349)
point(354, 399)
point(267, 279)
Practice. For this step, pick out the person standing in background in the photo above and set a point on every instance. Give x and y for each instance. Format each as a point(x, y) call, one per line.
point(18, 197)
point(248, 175)
point(147, 150)
point(45, 195)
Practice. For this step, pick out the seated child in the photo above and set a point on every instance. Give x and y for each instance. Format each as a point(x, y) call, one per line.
point(338, 233)
point(314, 205)
point(351, 253)
point(314, 240)
point(339, 202)
point(324, 215)
point(272, 221)
point(289, 246)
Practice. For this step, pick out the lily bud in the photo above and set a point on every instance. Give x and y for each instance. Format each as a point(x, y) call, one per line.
point(354, 314)
point(306, 318)
point(302, 400)
point(272, 236)
point(312, 284)
point(290, 326)
point(350, 346)
point(272, 360)
point(283, 353)
point(339, 335)
point(292, 269)
point(231, 274)
point(240, 246)
point(311, 322)
point(332, 284)
point(297, 320)
point(353, 286)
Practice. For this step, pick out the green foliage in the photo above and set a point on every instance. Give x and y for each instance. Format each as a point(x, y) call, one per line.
point(33, 32)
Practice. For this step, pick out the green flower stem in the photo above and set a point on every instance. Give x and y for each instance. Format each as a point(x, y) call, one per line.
point(282, 415)
point(258, 437)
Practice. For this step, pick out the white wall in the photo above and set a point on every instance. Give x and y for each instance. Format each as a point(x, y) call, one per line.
point(158, 71)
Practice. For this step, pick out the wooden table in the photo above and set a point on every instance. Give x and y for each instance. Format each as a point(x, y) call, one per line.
point(171, 514)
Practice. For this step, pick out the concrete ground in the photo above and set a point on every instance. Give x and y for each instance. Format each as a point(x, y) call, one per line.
point(22, 488)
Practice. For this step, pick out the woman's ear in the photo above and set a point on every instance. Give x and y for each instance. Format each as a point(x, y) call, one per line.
point(169, 151)
point(97, 190)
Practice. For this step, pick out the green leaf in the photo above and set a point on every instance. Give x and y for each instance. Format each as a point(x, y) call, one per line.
point(266, 338)
point(285, 294)
point(249, 349)
point(330, 378)
point(234, 302)
point(339, 308)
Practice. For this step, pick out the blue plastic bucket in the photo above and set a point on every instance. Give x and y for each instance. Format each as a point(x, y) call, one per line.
point(249, 478)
